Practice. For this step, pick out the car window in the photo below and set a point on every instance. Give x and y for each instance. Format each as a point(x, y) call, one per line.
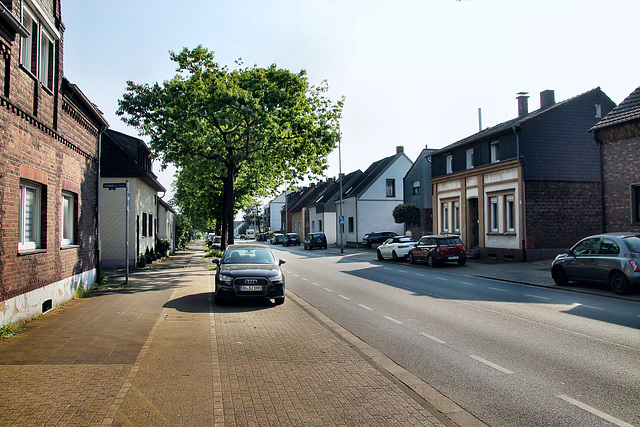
point(633, 243)
point(450, 241)
point(609, 247)
point(405, 239)
point(248, 256)
point(587, 247)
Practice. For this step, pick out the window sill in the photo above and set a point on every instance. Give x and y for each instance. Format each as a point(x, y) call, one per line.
point(495, 233)
point(26, 252)
point(63, 247)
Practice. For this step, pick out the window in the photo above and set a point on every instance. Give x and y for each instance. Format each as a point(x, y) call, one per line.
point(416, 187)
point(68, 219)
point(456, 216)
point(449, 160)
point(598, 111)
point(445, 217)
point(587, 247)
point(351, 227)
point(470, 158)
point(150, 225)
point(609, 247)
point(495, 152)
point(391, 188)
point(320, 225)
point(30, 213)
point(493, 214)
point(509, 213)
point(37, 51)
point(144, 224)
point(313, 226)
point(635, 203)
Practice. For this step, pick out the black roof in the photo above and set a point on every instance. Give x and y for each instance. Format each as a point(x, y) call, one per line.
point(363, 182)
point(628, 110)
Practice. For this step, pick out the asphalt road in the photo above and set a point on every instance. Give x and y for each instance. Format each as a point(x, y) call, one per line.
point(511, 354)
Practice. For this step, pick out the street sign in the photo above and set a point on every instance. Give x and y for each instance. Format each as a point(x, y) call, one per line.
point(128, 201)
point(341, 219)
point(114, 185)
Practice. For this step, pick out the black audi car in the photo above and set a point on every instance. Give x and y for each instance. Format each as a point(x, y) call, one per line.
point(249, 271)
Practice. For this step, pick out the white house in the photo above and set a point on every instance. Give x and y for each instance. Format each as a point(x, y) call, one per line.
point(125, 158)
point(167, 224)
point(368, 203)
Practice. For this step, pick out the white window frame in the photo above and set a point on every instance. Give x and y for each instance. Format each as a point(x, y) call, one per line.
point(29, 21)
point(46, 59)
point(445, 217)
point(415, 187)
point(391, 188)
point(598, 111)
point(456, 216)
point(470, 158)
point(67, 215)
point(510, 213)
point(33, 241)
point(495, 152)
point(42, 43)
point(493, 214)
point(449, 161)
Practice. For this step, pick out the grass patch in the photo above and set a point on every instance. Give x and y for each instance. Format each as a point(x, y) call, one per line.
point(10, 329)
point(213, 253)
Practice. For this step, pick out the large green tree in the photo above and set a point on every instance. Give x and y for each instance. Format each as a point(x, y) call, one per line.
point(263, 126)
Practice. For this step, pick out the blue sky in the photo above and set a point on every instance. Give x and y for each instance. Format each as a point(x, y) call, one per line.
point(414, 72)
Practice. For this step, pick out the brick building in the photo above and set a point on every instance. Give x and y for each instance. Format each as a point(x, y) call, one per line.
point(527, 188)
point(619, 135)
point(49, 134)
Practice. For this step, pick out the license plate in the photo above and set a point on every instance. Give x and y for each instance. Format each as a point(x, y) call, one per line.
point(454, 257)
point(250, 288)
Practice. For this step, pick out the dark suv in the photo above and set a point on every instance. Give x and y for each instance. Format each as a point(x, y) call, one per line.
point(378, 237)
point(315, 240)
point(438, 249)
point(291, 239)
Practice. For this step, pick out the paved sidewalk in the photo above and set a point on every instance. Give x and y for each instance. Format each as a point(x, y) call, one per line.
point(159, 352)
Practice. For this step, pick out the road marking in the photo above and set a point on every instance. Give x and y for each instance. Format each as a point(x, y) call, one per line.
point(441, 278)
point(393, 320)
point(343, 297)
point(467, 283)
point(305, 279)
point(421, 275)
point(498, 289)
point(593, 411)
point(432, 338)
point(365, 307)
point(314, 284)
point(295, 274)
point(493, 365)
point(387, 268)
point(590, 306)
point(535, 296)
point(327, 289)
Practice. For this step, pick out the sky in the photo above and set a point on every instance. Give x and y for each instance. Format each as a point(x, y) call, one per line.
point(413, 72)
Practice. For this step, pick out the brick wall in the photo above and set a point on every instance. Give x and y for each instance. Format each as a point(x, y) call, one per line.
point(559, 213)
point(56, 148)
point(621, 168)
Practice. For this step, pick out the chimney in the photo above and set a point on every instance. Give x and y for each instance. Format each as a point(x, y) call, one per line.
point(523, 103)
point(547, 98)
point(399, 149)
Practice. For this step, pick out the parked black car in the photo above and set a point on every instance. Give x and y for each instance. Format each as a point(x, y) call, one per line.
point(315, 240)
point(291, 239)
point(276, 239)
point(249, 271)
point(378, 237)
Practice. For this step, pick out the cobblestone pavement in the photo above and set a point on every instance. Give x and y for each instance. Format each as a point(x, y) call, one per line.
point(159, 352)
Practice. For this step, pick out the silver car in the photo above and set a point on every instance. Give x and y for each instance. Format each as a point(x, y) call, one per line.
point(612, 258)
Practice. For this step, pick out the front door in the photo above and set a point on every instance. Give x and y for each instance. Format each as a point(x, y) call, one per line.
point(473, 225)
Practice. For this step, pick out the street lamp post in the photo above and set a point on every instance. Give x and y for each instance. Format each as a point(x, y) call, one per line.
point(341, 219)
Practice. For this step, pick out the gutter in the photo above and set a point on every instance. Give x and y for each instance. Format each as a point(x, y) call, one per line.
point(13, 22)
point(98, 242)
point(515, 129)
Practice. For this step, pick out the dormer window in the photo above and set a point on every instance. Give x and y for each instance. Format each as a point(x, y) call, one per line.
point(495, 152)
point(449, 162)
point(470, 158)
point(598, 111)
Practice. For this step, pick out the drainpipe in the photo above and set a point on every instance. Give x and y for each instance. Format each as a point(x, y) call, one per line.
point(515, 128)
point(602, 202)
point(98, 242)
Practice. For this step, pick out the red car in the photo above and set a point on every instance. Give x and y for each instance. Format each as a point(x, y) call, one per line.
point(438, 249)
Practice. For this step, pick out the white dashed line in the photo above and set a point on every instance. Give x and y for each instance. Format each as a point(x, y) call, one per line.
point(327, 289)
point(305, 279)
point(590, 306)
point(498, 289)
point(594, 411)
point(314, 284)
point(343, 297)
point(467, 283)
point(393, 320)
point(421, 275)
point(365, 307)
point(432, 338)
point(536, 296)
point(441, 278)
point(491, 364)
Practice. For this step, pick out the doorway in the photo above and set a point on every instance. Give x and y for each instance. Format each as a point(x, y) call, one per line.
point(473, 225)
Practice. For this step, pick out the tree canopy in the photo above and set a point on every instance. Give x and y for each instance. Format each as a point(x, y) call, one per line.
point(251, 127)
point(406, 212)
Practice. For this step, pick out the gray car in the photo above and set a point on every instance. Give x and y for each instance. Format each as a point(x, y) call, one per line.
point(612, 258)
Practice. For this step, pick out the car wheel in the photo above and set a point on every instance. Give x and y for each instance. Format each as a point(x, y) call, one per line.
point(278, 301)
point(394, 256)
point(462, 261)
point(380, 257)
point(559, 276)
point(412, 260)
point(619, 283)
point(431, 261)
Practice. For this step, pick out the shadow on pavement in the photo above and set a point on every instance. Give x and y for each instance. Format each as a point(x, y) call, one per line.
point(199, 303)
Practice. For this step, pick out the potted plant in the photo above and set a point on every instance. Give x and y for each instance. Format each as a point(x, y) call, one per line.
point(147, 256)
point(142, 261)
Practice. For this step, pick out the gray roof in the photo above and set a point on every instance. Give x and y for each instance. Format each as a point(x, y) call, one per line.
point(628, 110)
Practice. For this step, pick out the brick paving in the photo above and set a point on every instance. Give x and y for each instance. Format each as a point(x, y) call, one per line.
point(159, 352)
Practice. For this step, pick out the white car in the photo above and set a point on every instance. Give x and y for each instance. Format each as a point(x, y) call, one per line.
point(396, 248)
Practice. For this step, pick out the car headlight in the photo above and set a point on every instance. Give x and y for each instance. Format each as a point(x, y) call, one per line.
point(276, 278)
point(226, 279)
